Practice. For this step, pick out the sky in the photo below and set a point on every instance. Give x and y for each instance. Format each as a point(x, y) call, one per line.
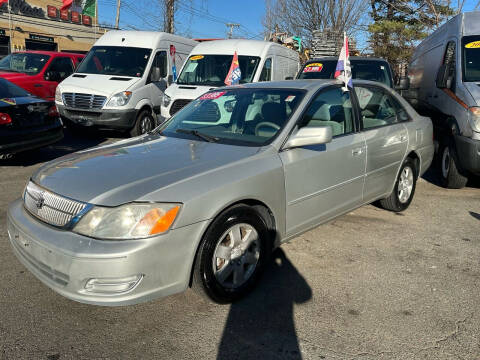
point(198, 18)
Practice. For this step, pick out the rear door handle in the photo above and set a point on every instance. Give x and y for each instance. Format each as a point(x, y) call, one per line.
point(357, 151)
point(403, 138)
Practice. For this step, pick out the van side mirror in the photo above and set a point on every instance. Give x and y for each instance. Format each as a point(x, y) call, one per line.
point(442, 77)
point(155, 75)
point(170, 80)
point(403, 84)
point(310, 136)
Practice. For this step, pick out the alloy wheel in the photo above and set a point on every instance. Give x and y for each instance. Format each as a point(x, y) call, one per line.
point(405, 184)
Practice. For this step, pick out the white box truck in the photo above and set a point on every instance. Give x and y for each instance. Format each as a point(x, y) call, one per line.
point(444, 84)
point(209, 63)
point(120, 83)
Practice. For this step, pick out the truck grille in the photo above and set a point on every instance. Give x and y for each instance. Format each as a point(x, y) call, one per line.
point(49, 207)
point(178, 104)
point(83, 101)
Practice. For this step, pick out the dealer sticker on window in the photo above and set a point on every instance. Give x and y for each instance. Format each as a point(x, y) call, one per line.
point(313, 67)
point(473, 45)
point(212, 95)
point(196, 57)
point(9, 101)
point(290, 98)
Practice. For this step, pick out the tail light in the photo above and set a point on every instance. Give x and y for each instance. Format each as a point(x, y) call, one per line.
point(5, 119)
point(53, 112)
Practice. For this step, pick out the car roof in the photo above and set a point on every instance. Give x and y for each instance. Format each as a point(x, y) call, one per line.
point(363, 58)
point(51, 53)
point(302, 84)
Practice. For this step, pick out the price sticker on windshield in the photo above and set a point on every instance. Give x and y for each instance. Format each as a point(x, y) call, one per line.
point(9, 101)
point(473, 45)
point(212, 95)
point(196, 57)
point(313, 67)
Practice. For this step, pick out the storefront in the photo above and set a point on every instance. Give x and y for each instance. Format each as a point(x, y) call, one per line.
point(42, 25)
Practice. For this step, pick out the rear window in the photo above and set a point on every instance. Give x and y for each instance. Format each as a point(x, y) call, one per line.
point(372, 70)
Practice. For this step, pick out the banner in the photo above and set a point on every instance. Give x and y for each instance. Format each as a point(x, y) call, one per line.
point(234, 74)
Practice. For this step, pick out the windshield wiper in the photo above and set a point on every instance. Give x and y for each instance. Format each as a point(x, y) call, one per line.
point(198, 134)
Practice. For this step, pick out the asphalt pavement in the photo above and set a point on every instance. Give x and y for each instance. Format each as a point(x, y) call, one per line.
point(369, 285)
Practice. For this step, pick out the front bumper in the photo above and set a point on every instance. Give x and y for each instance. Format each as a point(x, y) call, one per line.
point(468, 151)
point(66, 261)
point(120, 119)
point(16, 141)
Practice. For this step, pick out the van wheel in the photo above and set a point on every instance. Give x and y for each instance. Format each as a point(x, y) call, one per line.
point(232, 255)
point(450, 176)
point(144, 123)
point(404, 189)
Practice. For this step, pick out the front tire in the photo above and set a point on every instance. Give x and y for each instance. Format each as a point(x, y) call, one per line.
point(232, 255)
point(404, 189)
point(144, 123)
point(449, 174)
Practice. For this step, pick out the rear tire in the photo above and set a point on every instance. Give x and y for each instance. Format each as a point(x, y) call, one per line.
point(404, 188)
point(449, 173)
point(144, 123)
point(231, 256)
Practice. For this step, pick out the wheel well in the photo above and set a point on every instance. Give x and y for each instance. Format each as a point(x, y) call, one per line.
point(416, 160)
point(144, 107)
point(264, 212)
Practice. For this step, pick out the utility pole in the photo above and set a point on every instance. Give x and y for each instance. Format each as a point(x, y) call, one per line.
point(231, 26)
point(117, 18)
point(169, 16)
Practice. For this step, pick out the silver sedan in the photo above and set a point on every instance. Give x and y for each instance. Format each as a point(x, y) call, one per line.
point(202, 200)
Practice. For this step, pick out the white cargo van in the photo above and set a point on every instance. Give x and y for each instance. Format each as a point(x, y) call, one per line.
point(444, 77)
point(209, 63)
point(120, 82)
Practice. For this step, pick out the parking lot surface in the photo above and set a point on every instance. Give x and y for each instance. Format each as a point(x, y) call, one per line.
point(369, 285)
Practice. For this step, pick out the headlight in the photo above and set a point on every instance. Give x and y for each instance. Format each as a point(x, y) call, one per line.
point(166, 100)
point(475, 118)
point(58, 96)
point(130, 221)
point(120, 99)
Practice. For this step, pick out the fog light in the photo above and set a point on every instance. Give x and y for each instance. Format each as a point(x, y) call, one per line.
point(113, 285)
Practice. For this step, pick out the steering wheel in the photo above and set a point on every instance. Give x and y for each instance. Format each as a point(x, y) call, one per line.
point(266, 123)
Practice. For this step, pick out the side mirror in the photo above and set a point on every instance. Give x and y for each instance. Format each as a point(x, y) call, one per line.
point(52, 76)
point(289, 78)
point(310, 136)
point(155, 75)
point(170, 80)
point(404, 84)
point(442, 77)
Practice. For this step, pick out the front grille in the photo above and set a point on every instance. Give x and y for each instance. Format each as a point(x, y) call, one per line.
point(49, 207)
point(177, 105)
point(83, 101)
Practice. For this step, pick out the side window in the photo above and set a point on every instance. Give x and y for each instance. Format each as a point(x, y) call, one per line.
point(449, 61)
point(378, 108)
point(60, 68)
point(266, 74)
point(333, 108)
point(160, 61)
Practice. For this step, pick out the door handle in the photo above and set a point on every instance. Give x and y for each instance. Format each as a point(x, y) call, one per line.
point(37, 85)
point(403, 138)
point(357, 151)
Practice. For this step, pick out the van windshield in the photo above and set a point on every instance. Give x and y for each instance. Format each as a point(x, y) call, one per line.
point(471, 58)
point(115, 60)
point(211, 70)
point(28, 63)
point(372, 70)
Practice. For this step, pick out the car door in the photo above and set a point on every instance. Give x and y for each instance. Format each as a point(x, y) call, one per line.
point(59, 69)
point(323, 181)
point(155, 89)
point(386, 138)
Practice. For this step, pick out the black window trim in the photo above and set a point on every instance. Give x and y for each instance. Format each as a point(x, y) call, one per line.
point(53, 61)
point(362, 129)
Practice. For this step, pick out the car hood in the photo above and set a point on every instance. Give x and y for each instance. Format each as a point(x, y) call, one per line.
point(474, 90)
point(189, 92)
point(129, 170)
point(13, 76)
point(97, 84)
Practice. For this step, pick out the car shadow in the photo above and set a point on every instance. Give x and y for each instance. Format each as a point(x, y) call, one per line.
point(262, 325)
point(432, 176)
point(70, 143)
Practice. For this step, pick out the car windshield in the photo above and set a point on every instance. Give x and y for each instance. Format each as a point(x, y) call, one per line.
point(211, 70)
point(115, 60)
point(249, 117)
point(471, 58)
point(24, 62)
point(9, 90)
point(372, 70)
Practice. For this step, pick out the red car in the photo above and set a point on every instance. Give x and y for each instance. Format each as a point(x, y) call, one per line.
point(39, 72)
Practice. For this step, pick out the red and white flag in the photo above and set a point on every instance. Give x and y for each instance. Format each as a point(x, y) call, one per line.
point(343, 72)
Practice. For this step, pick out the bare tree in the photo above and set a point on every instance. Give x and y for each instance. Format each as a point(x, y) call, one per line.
point(302, 17)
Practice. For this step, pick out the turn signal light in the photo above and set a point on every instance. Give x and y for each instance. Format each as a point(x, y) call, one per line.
point(53, 112)
point(5, 119)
